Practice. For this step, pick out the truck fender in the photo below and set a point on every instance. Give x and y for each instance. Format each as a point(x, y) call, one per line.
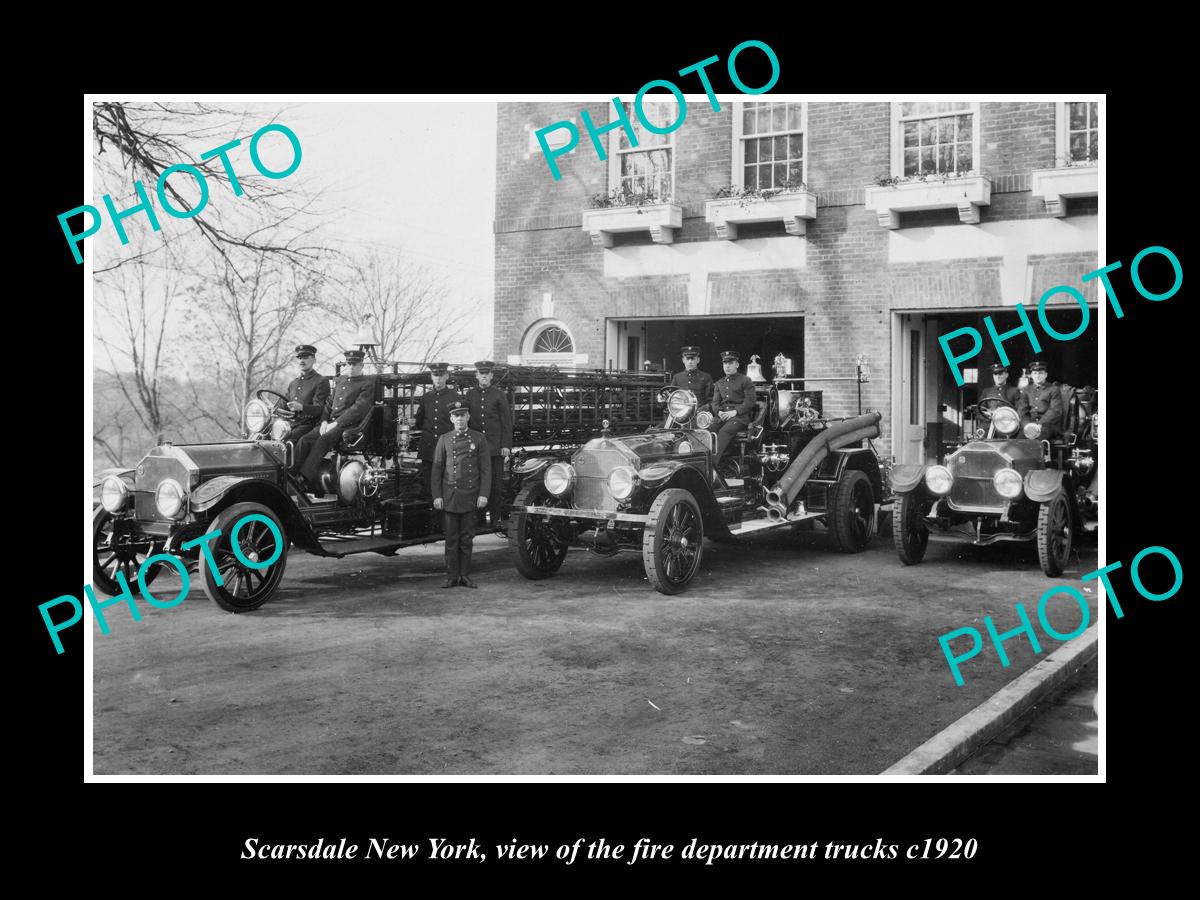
point(214, 495)
point(907, 476)
point(660, 476)
point(1042, 484)
point(862, 459)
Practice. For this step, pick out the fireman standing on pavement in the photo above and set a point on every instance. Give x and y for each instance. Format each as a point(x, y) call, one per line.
point(433, 419)
point(462, 473)
point(492, 415)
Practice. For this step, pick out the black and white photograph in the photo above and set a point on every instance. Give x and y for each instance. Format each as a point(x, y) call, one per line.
point(696, 434)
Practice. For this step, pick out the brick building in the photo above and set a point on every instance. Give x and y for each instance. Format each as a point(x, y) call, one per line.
point(841, 268)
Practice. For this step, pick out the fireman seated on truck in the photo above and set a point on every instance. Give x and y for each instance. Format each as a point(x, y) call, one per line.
point(732, 402)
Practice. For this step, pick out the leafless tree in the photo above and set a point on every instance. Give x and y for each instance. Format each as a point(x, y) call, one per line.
point(406, 305)
point(136, 303)
point(243, 329)
point(139, 141)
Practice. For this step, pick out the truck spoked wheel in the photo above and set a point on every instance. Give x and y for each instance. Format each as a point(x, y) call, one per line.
point(540, 546)
point(112, 553)
point(853, 512)
point(673, 541)
point(247, 582)
point(909, 533)
point(1055, 536)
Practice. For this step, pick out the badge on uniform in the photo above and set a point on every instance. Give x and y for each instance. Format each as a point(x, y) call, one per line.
point(472, 445)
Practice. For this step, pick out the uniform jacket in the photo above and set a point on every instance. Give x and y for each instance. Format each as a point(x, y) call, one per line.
point(699, 383)
point(433, 418)
point(734, 392)
point(1010, 394)
point(310, 390)
point(462, 470)
point(350, 401)
point(490, 413)
point(1043, 403)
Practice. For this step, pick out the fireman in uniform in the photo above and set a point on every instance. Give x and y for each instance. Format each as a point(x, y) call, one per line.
point(1043, 413)
point(691, 378)
point(1009, 393)
point(462, 477)
point(492, 415)
point(306, 395)
point(344, 409)
point(433, 419)
point(733, 400)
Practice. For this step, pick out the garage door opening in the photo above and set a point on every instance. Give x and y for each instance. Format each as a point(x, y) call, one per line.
point(632, 343)
point(927, 404)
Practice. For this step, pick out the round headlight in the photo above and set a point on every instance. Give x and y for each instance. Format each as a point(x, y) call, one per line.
point(168, 499)
point(681, 405)
point(704, 419)
point(1007, 483)
point(258, 414)
point(938, 479)
point(113, 493)
point(1005, 419)
point(684, 447)
point(280, 429)
point(621, 481)
point(1033, 431)
point(559, 478)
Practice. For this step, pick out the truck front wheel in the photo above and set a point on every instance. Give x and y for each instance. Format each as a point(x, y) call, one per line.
point(673, 541)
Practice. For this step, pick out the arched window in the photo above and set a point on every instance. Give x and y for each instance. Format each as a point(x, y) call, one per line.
point(553, 339)
point(549, 342)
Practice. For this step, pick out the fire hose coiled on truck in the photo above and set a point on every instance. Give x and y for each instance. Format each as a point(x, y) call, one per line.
point(841, 434)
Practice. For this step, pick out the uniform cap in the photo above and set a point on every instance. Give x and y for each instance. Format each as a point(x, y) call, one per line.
point(306, 350)
point(354, 356)
point(1037, 366)
point(727, 355)
point(689, 351)
point(457, 409)
point(997, 368)
point(484, 366)
point(438, 368)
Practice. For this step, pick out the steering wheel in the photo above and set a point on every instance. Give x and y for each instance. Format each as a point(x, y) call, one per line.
point(280, 409)
point(989, 405)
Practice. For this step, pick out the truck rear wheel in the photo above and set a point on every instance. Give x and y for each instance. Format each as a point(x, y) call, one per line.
point(909, 533)
point(244, 587)
point(673, 541)
point(852, 518)
point(540, 546)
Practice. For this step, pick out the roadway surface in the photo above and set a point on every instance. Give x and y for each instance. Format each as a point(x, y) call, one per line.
point(783, 657)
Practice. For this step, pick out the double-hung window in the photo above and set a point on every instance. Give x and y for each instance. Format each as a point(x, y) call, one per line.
point(935, 138)
point(1078, 133)
point(769, 145)
point(650, 166)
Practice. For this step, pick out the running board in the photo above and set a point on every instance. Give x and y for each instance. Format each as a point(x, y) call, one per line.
point(379, 544)
point(756, 525)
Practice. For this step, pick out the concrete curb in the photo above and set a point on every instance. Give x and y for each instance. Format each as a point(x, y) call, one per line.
point(945, 750)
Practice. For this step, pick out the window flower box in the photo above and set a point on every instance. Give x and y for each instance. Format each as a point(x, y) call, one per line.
point(794, 209)
point(1056, 185)
point(965, 193)
point(660, 219)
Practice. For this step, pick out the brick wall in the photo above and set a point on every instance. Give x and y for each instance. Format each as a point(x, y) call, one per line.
point(846, 288)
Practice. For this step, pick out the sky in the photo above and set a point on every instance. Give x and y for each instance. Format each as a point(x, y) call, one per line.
point(417, 177)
